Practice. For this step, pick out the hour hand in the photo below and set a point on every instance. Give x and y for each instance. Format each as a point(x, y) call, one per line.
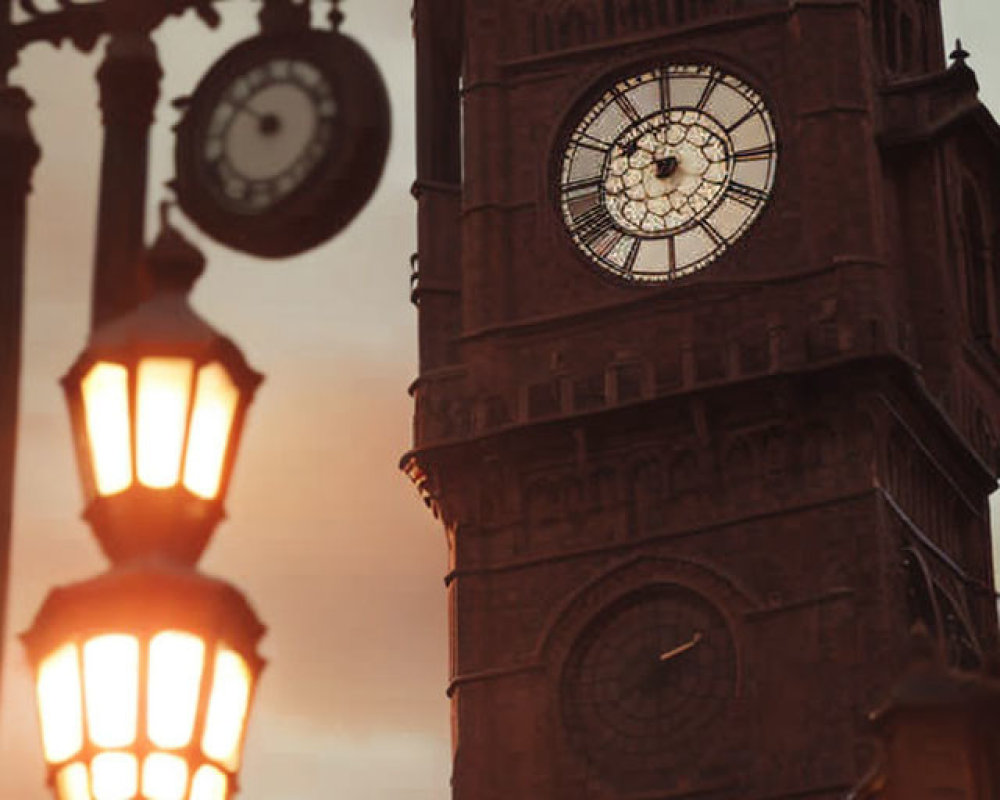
point(681, 648)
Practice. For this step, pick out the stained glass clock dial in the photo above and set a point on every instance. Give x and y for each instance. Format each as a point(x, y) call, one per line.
point(646, 682)
point(666, 171)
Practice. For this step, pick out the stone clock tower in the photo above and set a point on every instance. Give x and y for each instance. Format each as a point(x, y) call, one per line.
point(709, 299)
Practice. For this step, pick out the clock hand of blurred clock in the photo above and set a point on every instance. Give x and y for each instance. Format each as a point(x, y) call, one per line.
point(268, 122)
point(683, 648)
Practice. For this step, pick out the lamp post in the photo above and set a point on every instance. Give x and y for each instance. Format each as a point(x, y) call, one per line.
point(144, 675)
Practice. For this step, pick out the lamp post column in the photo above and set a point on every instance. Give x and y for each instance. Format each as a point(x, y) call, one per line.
point(18, 155)
point(129, 82)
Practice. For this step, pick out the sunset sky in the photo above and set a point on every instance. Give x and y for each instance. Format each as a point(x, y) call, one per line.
point(324, 535)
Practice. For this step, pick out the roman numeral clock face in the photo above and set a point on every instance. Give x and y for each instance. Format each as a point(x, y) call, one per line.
point(666, 171)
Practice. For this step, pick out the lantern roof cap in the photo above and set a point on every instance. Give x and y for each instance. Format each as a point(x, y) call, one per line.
point(146, 596)
point(172, 261)
point(165, 323)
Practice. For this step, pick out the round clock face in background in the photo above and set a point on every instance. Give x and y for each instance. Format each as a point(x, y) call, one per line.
point(270, 128)
point(666, 171)
point(283, 142)
point(644, 684)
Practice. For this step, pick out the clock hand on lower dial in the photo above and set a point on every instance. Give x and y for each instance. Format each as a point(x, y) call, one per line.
point(683, 648)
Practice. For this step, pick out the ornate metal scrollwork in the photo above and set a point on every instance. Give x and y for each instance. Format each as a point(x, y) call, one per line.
point(83, 22)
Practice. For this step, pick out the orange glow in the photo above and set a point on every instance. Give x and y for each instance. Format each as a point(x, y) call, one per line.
point(72, 783)
point(164, 777)
point(164, 388)
point(227, 709)
point(105, 402)
point(209, 784)
point(114, 776)
point(59, 704)
point(214, 408)
point(175, 666)
point(111, 686)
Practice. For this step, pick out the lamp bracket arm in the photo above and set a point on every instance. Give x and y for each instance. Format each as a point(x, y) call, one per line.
point(83, 23)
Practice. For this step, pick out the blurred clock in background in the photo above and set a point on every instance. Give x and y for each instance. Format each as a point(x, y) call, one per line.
point(283, 142)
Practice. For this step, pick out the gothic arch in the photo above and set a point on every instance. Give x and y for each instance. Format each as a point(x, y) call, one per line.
point(921, 604)
point(632, 574)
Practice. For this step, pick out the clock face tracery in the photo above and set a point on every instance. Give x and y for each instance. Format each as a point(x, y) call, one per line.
point(647, 680)
point(666, 171)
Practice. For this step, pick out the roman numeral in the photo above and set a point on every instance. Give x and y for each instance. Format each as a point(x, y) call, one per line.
point(707, 92)
point(584, 139)
point(757, 153)
point(582, 183)
point(672, 257)
point(712, 233)
point(603, 245)
point(625, 104)
point(593, 225)
point(664, 89)
point(629, 264)
point(749, 196)
point(754, 110)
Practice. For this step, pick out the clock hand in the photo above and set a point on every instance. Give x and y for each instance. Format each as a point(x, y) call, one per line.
point(683, 648)
point(268, 123)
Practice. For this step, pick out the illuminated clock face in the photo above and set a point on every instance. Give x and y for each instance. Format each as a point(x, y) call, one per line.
point(666, 171)
point(647, 683)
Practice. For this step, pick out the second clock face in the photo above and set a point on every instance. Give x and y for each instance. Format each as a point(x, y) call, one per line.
point(645, 683)
point(666, 171)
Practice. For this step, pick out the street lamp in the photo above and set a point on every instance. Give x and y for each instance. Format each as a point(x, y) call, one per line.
point(157, 401)
point(144, 675)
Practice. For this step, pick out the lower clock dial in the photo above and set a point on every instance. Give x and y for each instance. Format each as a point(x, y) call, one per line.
point(647, 680)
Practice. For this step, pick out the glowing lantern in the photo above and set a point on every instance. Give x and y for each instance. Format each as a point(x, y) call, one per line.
point(144, 679)
point(157, 401)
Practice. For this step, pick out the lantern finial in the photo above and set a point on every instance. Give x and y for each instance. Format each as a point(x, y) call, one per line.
point(174, 263)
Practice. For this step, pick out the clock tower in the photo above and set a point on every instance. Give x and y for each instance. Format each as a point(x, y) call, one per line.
point(709, 318)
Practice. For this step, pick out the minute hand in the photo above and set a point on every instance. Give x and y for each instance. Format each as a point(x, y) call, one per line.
point(683, 648)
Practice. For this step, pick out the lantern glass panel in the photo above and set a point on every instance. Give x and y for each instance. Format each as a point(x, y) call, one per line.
point(114, 776)
point(106, 410)
point(215, 403)
point(164, 777)
point(164, 391)
point(73, 783)
point(176, 660)
point(59, 704)
point(111, 686)
point(227, 709)
point(209, 784)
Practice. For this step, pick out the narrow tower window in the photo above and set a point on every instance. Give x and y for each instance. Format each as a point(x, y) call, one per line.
point(977, 296)
point(906, 41)
point(890, 30)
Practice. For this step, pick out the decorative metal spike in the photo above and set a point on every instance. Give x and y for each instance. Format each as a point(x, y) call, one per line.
point(336, 15)
point(173, 262)
point(959, 54)
point(278, 16)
